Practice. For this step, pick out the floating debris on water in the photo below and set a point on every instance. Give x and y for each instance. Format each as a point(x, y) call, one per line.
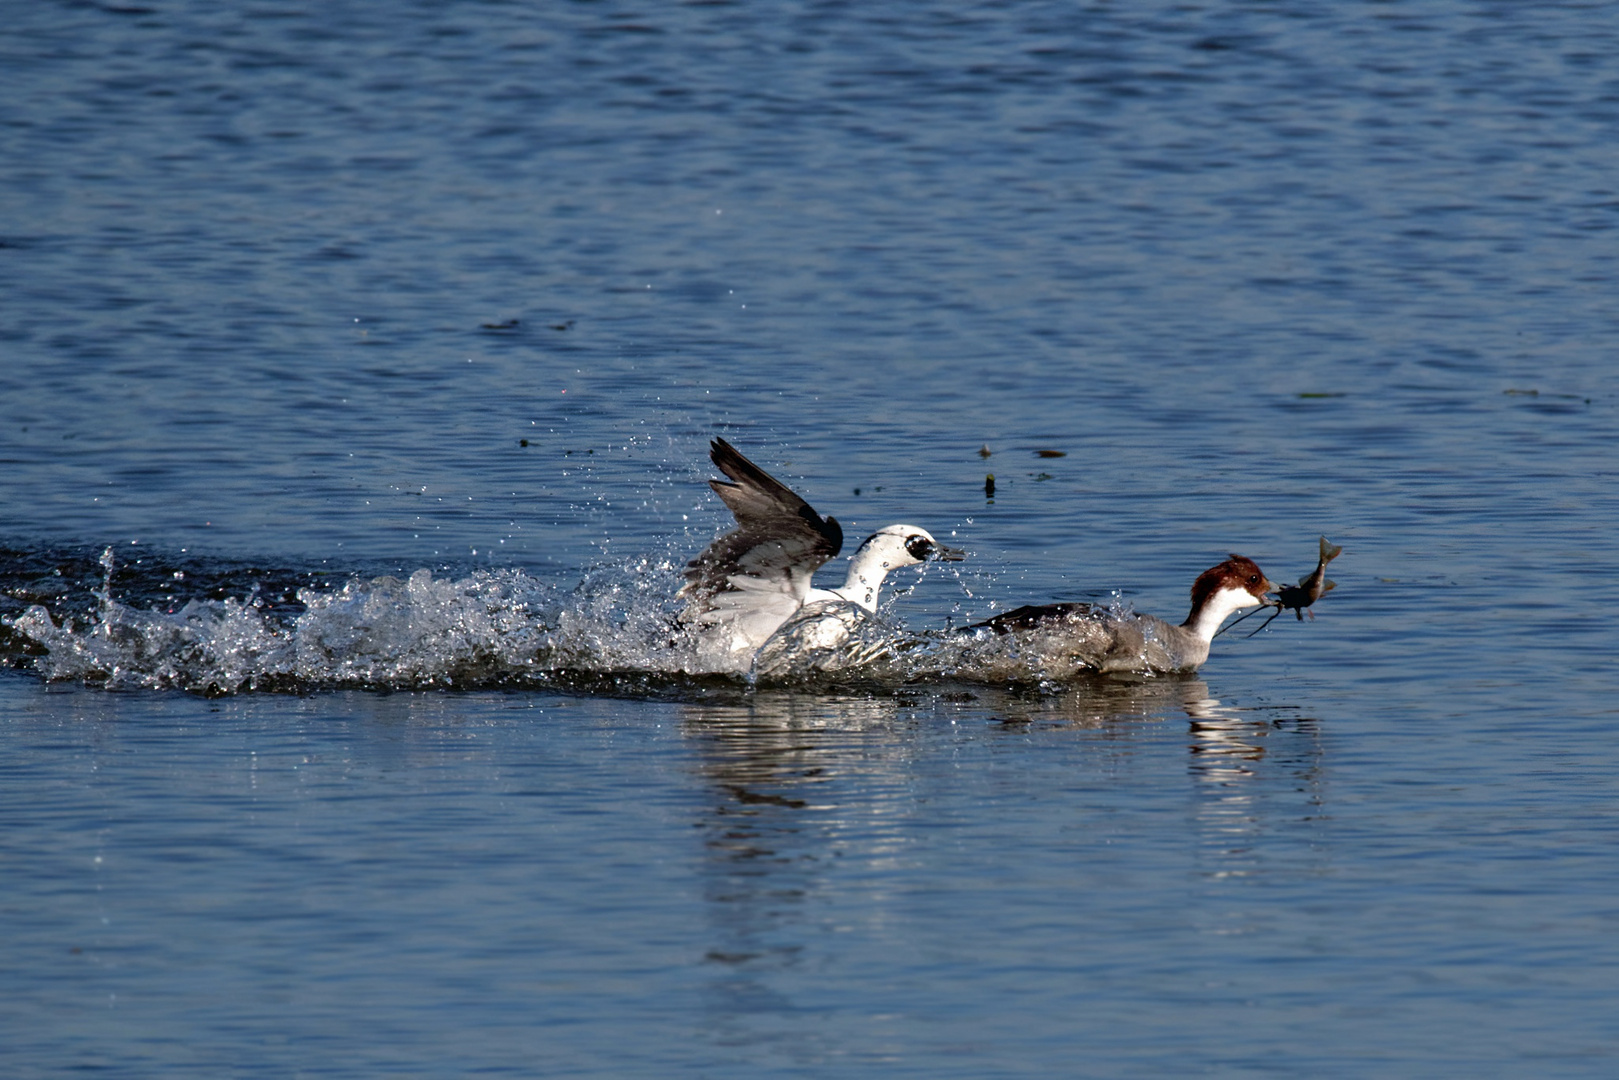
point(1556, 397)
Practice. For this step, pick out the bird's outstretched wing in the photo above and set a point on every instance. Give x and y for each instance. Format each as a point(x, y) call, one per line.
point(760, 571)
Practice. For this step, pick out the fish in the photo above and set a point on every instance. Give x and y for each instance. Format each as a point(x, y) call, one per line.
point(1311, 587)
point(1298, 598)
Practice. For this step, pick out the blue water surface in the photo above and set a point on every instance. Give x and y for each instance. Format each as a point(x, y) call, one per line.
point(295, 298)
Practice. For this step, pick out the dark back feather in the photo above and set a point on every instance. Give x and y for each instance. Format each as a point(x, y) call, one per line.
point(1030, 616)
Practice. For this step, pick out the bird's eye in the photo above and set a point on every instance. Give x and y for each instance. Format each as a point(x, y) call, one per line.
point(918, 546)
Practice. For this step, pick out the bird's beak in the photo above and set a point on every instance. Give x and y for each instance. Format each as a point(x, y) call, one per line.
point(948, 554)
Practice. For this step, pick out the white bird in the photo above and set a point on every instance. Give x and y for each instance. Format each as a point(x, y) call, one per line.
point(830, 637)
point(750, 581)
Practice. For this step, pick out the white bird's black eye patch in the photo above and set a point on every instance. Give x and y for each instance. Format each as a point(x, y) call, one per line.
point(920, 547)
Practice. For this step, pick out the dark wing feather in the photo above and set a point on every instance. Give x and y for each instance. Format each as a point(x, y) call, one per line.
point(779, 540)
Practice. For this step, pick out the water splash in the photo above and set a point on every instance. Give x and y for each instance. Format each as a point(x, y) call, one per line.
point(615, 631)
point(487, 628)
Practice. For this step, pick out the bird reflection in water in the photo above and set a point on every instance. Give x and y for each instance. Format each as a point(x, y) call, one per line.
point(1233, 806)
point(1110, 706)
point(824, 814)
point(806, 788)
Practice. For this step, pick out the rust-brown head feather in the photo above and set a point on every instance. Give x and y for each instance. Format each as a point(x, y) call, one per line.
point(1236, 572)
